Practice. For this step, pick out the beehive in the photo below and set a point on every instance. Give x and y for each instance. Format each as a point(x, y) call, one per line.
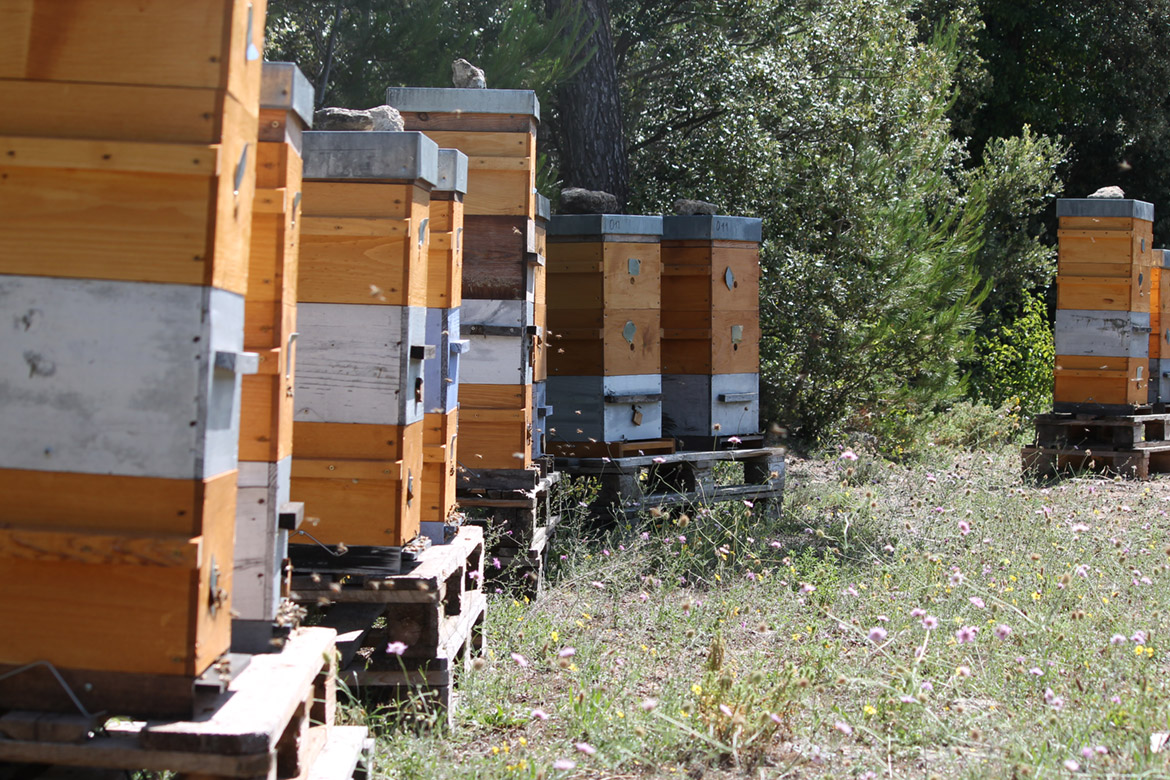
point(710, 326)
point(358, 461)
point(441, 375)
point(604, 358)
point(540, 405)
point(502, 283)
point(270, 322)
point(1160, 329)
point(126, 184)
point(1104, 292)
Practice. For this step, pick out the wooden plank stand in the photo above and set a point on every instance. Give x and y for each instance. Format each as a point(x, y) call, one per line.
point(275, 720)
point(1133, 445)
point(517, 512)
point(631, 485)
point(402, 635)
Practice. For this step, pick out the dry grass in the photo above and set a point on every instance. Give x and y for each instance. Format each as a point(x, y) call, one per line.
point(795, 648)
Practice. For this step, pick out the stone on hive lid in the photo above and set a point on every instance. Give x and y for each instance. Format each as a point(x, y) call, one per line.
point(387, 118)
point(1109, 192)
point(464, 75)
point(342, 119)
point(690, 208)
point(576, 200)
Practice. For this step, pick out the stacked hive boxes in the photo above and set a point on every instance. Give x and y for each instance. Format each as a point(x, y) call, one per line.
point(540, 406)
point(270, 321)
point(604, 296)
point(126, 183)
point(362, 299)
point(1160, 329)
point(441, 377)
point(1104, 292)
point(502, 283)
point(710, 327)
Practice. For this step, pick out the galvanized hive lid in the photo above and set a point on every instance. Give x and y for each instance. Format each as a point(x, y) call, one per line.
point(1105, 207)
point(449, 100)
point(712, 228)
point(339, 154)
point(452, 171)
point(543, 207)
point(604, 224)
point(282, 85)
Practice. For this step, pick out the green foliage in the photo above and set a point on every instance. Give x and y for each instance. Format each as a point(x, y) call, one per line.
point(1015, 361)
point(353, 51)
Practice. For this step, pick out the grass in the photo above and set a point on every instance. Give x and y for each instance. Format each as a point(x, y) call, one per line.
point(933, 619)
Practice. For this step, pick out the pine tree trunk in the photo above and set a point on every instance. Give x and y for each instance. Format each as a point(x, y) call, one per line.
point(588, 130)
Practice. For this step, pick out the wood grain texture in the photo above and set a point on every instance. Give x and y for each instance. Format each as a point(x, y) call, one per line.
point(445, 257)
point(166, 624)
point(112, 111)
point(354, 364)
point(1130, 293)
point(1101, 379)
point(192, 44)
point(612, 354)
point(260, 544)
point(98, 503)
point(32, 544)
point(375, 257)
point(468, 122)
point(440, 455)
point(369, 507)
point(495, 264)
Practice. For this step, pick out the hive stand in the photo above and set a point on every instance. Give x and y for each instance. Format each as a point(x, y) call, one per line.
point(358, 461)
point(1129, 445)
point(436, 607)
point(127, 173)
point(631, 485)
point(275, 720)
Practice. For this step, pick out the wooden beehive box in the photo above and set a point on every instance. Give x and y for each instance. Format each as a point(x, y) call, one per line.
point(270, 322)
point(1107, 304)
point(129, 140)
point(495, 425)
point(604, 358)
point(129, 143)
point(120, 427)
point(495, 128)
point(441, 375)
point(604, 295)
point(358, 461)
point(540, 408)
point(1160, 330)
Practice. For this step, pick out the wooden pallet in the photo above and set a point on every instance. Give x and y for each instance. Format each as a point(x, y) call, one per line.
point(436, 608)
point(518, 516)
point(1137, 463)
point(275, 720)
point(630, 485)
point(1081, 431)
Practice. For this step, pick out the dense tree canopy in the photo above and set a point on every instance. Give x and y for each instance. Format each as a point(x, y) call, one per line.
point(904, 154)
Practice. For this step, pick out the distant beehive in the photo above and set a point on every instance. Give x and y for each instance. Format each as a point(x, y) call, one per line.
point(1104, 292)
point(126, 182)
point(358, 457)
point(605, 361)
point(710, 327)
point(441, 375)
point(1160, 328)
point(270, 323)
point(502, 310)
